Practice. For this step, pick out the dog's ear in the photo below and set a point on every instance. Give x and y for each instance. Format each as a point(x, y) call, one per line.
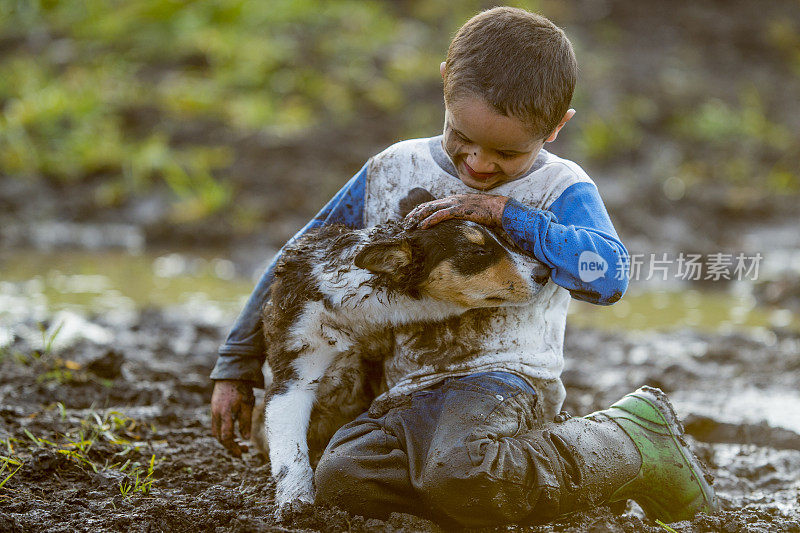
point(415, 196)
point(387, 256)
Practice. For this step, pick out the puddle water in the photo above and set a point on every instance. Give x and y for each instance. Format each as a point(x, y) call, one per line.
point(675, 307)
point(37, 283)
point(778, 408)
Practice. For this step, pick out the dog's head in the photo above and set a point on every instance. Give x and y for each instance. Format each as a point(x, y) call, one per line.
point(458, 261)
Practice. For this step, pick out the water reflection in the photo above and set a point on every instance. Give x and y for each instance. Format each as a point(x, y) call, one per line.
point(35, 285)
point(209, 286)
point(677, 307)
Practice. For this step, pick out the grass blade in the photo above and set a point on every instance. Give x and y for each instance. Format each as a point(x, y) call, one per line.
point(9, 476)
point(665, 526)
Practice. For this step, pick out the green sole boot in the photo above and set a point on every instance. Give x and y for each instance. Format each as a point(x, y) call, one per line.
point(672, 483)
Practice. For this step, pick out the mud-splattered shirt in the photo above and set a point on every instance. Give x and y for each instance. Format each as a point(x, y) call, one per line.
point(555, 214)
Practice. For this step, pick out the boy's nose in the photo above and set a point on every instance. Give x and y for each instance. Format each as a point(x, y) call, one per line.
point(478, 160)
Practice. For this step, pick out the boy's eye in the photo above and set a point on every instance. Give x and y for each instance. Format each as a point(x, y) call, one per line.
point(508, 155)
point(461, 137)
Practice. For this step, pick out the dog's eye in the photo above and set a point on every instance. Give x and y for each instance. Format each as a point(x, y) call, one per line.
point(479, 252)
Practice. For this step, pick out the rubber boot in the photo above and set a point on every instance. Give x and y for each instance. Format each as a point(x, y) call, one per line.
point(633, 450)
point(672, 484)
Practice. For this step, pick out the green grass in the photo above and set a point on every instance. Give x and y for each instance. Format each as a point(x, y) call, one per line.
point(51, 368)
point(8, 463)
point(113, 431)
point(48, 339)
point(604, 136)
point(665, 526)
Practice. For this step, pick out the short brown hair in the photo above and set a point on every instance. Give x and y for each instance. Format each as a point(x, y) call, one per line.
point(519, 62)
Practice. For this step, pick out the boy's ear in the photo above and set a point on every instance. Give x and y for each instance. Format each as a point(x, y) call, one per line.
point(442, 67)
point(568, 115)
point(386, 257)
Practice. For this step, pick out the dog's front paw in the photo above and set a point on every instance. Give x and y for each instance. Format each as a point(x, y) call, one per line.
point(288, 511)
point(294, 487)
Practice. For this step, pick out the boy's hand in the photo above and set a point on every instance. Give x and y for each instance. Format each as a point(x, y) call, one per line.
point(486, 209)
point(231, 402)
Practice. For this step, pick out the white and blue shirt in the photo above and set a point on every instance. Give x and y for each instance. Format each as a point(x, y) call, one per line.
point(555, 214)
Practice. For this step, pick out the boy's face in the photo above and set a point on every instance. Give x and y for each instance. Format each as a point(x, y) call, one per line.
point(487, 148)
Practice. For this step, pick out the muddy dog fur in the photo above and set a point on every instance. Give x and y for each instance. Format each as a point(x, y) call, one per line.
point(336, 294)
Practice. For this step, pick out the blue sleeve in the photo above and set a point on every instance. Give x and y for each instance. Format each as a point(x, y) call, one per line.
point(576, 239)
point(242, 354)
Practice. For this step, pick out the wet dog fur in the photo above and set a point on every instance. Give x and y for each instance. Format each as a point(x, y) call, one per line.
point(335, 296)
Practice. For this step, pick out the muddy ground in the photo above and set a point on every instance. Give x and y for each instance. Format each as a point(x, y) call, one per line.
point(72, 416)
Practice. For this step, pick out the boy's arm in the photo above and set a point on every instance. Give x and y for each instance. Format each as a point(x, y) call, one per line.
point(242, 354)
point(574, 232)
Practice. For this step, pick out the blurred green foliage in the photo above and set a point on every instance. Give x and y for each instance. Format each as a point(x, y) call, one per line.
point(739, 144)
point(132, 95)
point(784, 35)
point(77, 79)
point(612, 132)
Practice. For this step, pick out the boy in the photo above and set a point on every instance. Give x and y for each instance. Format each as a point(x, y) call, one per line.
point(466, 436)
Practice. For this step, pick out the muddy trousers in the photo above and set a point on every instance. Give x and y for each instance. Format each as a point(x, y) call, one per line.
point(473, 451)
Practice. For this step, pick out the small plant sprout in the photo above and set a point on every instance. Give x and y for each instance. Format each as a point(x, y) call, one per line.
point(9, 443)
point(9, 476)
point(62, 411)
point(49, 339)
point(34, 439)
point(139, 484)
point(100, 437)
point(8, 464)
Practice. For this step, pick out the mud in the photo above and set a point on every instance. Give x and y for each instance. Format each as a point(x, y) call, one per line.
point(149, 390)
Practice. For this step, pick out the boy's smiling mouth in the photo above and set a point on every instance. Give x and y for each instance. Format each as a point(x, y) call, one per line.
point(481, 176)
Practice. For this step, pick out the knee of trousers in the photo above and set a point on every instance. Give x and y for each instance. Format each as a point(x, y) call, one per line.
point(337, 480)
point(471, 495)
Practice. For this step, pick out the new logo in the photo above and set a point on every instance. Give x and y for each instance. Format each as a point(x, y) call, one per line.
point(591, 266)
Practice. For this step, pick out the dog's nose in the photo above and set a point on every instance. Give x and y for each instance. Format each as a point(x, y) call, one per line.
point(541, 273)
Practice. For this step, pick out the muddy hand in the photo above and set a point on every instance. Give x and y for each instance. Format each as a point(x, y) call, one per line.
point(486, 209)
point(231, 402)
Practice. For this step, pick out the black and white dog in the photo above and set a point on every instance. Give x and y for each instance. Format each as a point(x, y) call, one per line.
point(334, 298)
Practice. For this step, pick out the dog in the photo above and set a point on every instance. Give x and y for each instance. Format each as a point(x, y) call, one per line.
point(335, 296)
